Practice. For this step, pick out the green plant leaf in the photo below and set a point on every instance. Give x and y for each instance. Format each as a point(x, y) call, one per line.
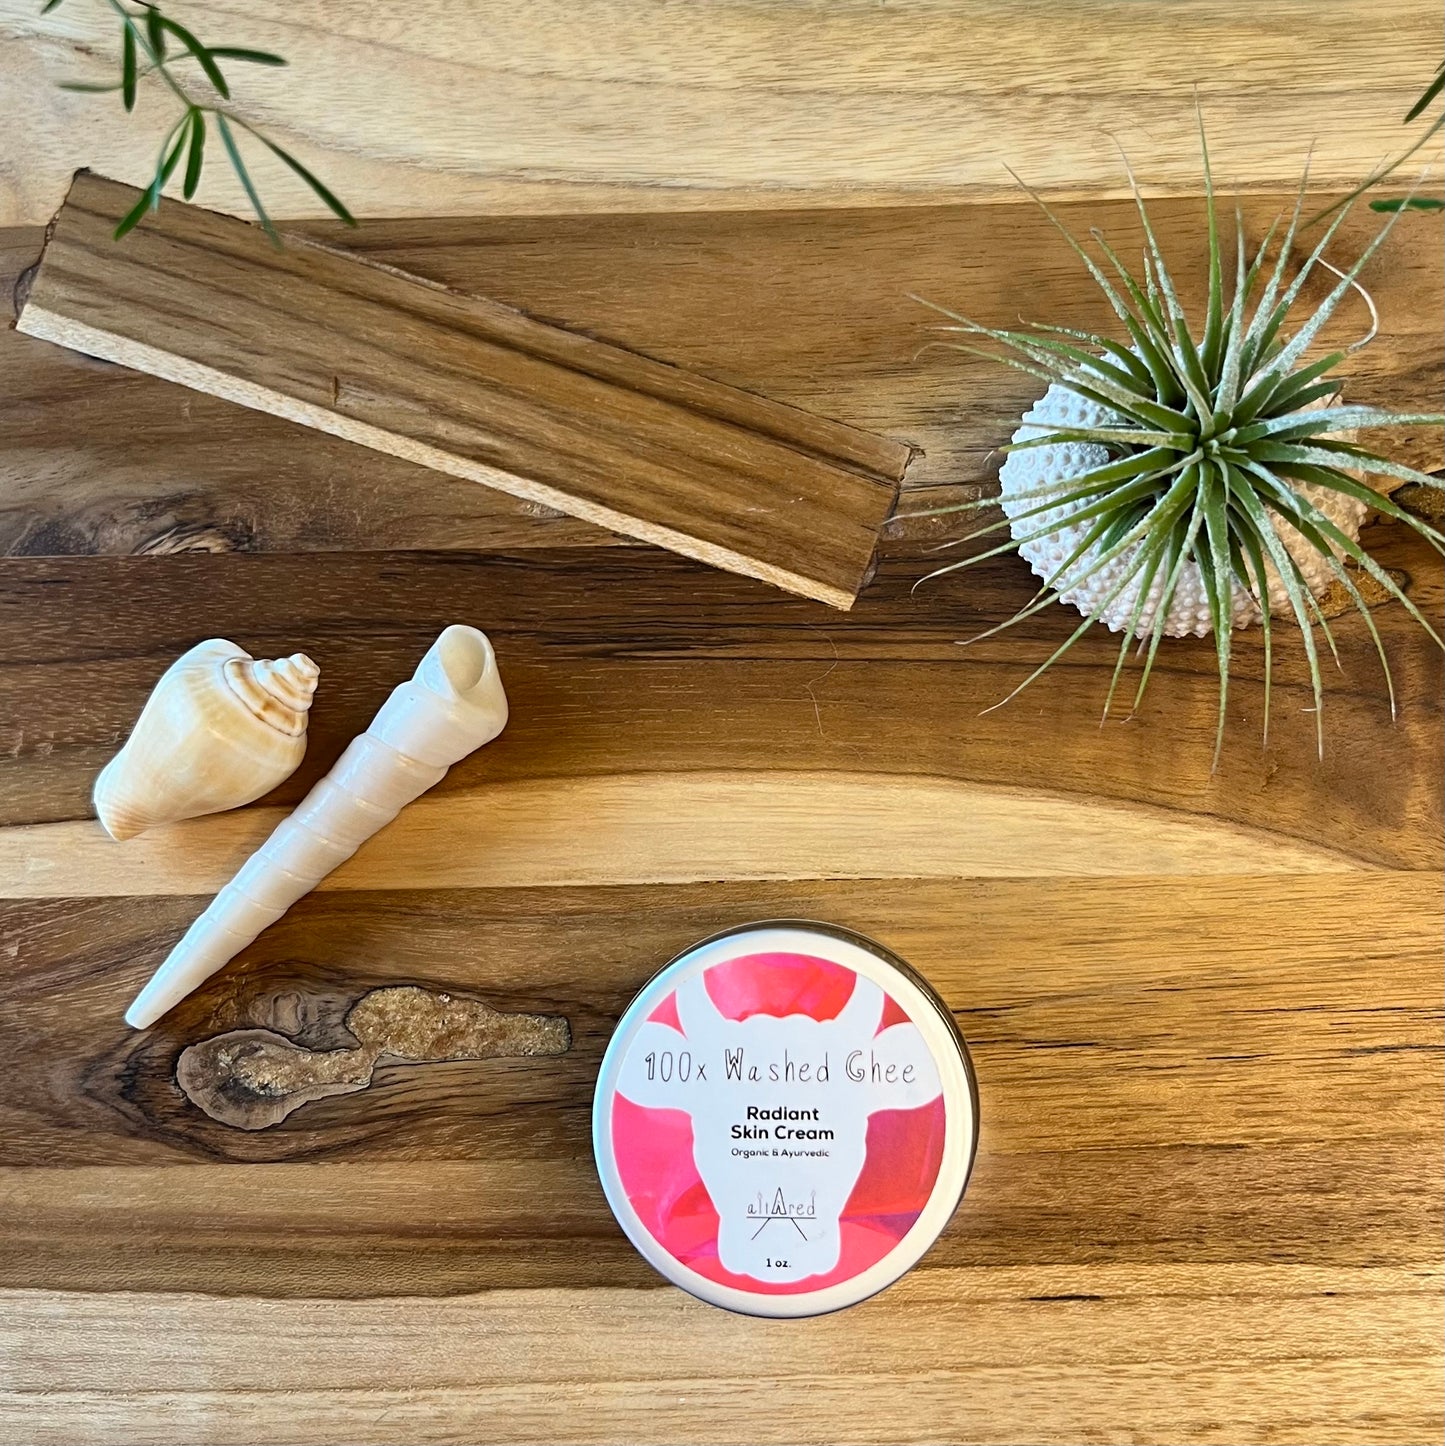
point(1157, 519)
point(250, 57)
point(1348, 486)
point(1142, 490)
point(1301, 520)
point(1148, 571)
point(1123, 436)
point(146, 36)
point(1093, 616)
point(200, 52)
point(323, 193)
point(196, 158)
point(1298, 401)
point(244, 176)
point(1045, 340)
point(127, 67)
point(1181, 548)
point(1409, 203)
point(1226, 394)
point(1084, 374)
point(1184, 354)
point(155, 33)
point(1210, 349)
point(1121, 353)
point(1115, 300)
point(1321, 531)
point(1301, 341)
point(1049, 370)
point(1269, 313)
point(1431, 91)
point(1263, 356)
point(1289, 395)
point(1323, 420)
point(170, 155)
point(1217, 574)
point(132, 218)
point(1280, 499)
point(1147, 328)
point(1085, 484)
point(1252, 554)
point(1048, 593)
point(1295, 588)
point(1329, 453)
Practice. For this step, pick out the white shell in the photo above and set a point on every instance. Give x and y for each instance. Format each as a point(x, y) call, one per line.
point(220, 729)
point(1039, 467)
point(452, 705)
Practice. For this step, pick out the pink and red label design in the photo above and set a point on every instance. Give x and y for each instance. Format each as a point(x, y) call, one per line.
point(777, 1123)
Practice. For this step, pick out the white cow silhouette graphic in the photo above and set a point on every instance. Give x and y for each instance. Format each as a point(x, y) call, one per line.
point(779, 1210)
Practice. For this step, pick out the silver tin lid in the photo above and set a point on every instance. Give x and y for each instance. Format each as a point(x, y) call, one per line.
point(785, 1119)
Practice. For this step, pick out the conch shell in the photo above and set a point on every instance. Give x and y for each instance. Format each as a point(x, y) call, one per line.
point(452, 705)
point(220, 729)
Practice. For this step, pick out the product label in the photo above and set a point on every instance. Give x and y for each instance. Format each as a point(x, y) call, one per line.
point(778, 1122)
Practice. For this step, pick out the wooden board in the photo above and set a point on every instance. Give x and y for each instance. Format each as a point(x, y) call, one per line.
point(468, 387)
point(1204, 1012)
point(489, 107)
point(809, 308)
point(1204, 1008)
point(1206, 1205)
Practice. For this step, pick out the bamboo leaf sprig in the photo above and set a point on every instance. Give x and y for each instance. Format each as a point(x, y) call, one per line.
point(153, 43)
point(1220, 438)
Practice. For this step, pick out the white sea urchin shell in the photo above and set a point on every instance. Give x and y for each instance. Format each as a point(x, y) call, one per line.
point(1040, 467)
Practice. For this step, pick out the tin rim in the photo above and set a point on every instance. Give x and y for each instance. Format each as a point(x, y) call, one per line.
point(929, 1014)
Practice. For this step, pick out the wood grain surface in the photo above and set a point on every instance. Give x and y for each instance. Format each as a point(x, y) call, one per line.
point(439, 108)
point(1204, 1012)
point(811, 309)
point(1204, 1009)
point(466, 386)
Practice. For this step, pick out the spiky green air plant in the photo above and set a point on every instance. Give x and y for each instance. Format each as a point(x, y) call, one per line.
point(1218, 454)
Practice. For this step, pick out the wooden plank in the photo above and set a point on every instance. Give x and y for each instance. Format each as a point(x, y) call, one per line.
point(468, 387)
point(631, 663)
point(1215, 1355)
point(488, 107)
point(644, 826)
point(808, 308)
point(1275, 1014)
point(210, 476)
point(1207, 1196)
point(1207, 1205)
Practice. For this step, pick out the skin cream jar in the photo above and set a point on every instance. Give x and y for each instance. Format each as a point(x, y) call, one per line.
point(785, 1119)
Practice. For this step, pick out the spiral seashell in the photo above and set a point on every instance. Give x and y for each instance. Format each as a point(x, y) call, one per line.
point(451, 706)
point(220, 729)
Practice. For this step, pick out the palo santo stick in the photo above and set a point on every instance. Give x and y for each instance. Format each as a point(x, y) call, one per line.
point(452, 705)
point(469, 387)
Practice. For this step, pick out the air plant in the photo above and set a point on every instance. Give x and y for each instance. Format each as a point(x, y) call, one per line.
point(153, 43)
point(1184, 466)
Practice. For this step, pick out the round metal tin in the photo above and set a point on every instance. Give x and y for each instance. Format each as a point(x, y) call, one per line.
point(785, 1119)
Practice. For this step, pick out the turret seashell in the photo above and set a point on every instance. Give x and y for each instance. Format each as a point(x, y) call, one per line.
point(220, 729)
point(451, 706)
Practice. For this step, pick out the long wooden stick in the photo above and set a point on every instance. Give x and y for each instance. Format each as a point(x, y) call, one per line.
point(469, 387)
